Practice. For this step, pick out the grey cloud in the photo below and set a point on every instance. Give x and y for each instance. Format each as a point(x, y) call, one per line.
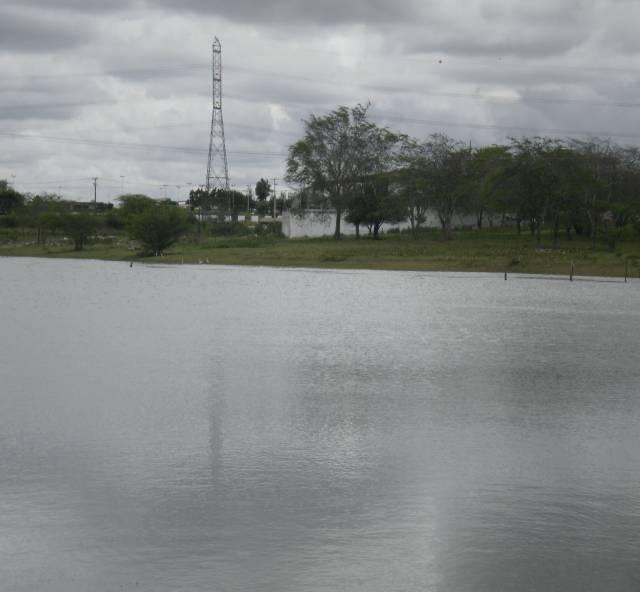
point(28, 32)
point(327, 12)
point(156, 91)
point(51, 99)
point(539, 44)
point(77, 5)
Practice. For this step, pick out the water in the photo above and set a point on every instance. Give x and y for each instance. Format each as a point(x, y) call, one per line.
point(200, 428)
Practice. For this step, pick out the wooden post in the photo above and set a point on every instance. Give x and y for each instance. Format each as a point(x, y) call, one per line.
point(505, 276)
point(626, 269)
point(571, 272)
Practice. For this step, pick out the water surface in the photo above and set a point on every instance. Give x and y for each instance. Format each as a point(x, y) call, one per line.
point(207, 428)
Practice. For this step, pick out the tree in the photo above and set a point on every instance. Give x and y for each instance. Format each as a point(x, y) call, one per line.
point(10, 199)
point(376, 199)
point(79, 226)
point(135, 203)
point(442, 168)
point(532, 165)
point(334, 155)
point(413, 186)
point(158, 227)
point(375, 203)
point(263, 190)
point(485, 191)
point(41, 213)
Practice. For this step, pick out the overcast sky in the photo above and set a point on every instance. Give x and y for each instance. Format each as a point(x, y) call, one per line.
point(121, 90)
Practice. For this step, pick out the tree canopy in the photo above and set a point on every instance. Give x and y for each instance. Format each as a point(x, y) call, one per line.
point(338, 153)
point(10, 199)
point(373, 175)
point(157, 227)
point(263, 189)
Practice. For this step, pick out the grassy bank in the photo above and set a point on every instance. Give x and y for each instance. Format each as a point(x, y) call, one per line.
point(492, 250)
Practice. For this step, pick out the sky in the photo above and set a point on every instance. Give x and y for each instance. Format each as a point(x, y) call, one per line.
point(121, 90)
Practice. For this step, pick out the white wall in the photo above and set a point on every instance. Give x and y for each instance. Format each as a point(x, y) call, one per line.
point(319, 223)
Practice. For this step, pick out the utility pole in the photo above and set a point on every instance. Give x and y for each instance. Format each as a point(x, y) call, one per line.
point(95, 192)
point(249, 199)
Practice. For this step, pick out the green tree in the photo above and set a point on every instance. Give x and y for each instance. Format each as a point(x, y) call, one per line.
point(263, 190)
point(374, 204)
point(442, 167)
point(41, 213)
point(158, 227)
point(376, 199)
point(78, 226)
point(334, 155)
point(135, 203)
point(10, 199)
point(485, 192)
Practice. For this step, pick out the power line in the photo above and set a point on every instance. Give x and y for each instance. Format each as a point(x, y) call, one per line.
point(536, 130)
point(134, 145)
point(380, 115)
point(482, 97)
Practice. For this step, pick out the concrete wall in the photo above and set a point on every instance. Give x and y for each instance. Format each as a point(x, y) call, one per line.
point(322, 223)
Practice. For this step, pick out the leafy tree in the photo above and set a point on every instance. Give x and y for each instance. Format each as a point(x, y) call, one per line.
point(158, 227)
point(335, 154)
point(10, 199)
point(485, 191)
point(442, 168)
point(374, 204)
point(135, 203)
point(413, 187)
point(41, 213)
point(263, 190)
point(79, 226)
point(375, 199)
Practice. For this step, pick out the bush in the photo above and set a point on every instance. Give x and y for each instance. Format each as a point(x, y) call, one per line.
point(114, 220)
point(79, 227)
point(158, 227)
point(9, 221)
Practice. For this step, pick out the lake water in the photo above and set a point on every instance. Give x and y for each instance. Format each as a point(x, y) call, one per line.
point(204, 428)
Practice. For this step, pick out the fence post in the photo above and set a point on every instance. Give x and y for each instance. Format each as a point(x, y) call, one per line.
point(626, 269)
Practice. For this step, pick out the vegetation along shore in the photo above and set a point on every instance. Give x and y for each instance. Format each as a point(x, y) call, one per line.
point(532, 205)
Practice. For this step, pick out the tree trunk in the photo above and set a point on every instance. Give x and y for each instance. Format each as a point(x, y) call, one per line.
point(556, 231)
point(479, 216)
point(376, 229)
point(446, 227)
point(357, 225)
point(336, 234)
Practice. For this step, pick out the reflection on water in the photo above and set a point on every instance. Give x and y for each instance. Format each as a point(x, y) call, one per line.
point(238, 429)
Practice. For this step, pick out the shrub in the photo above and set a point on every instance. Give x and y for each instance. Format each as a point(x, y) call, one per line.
point(158, 227)
point(79, 227)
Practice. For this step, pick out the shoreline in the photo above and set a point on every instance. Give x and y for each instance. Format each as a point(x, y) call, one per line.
point(468, 251)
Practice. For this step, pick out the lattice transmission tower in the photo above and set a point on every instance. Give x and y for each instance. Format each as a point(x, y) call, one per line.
point(217, 169)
